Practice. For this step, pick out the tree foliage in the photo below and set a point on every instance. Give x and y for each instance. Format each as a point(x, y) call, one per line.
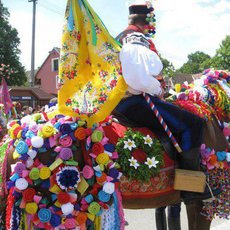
point(9, 51)
point(196, 63)
point(169, 69)
point(222, 58)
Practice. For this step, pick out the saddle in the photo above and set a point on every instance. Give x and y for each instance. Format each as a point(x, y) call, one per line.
point(163, 138)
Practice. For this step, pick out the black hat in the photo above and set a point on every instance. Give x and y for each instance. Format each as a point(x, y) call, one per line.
point(140, 9)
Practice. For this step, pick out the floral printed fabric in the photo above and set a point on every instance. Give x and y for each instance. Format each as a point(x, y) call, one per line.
point(90, 84)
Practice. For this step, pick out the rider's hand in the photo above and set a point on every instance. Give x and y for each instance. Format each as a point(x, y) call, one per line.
point(161, 96)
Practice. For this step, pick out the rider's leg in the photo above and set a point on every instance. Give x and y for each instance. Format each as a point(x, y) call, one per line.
point(160, 217)
point(174, 217)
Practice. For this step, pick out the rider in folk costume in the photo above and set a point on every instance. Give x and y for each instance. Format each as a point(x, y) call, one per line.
point(141, 66)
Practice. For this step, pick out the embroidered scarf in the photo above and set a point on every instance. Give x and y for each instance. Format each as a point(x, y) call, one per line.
point(90, 80)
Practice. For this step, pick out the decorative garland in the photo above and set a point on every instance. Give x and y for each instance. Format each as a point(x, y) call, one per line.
point(209, 95)
point(217, 168)
point(140, 157)
point(58, 191)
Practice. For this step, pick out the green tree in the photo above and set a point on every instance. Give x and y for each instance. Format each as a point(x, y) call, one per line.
point(222, 58)
point(196, 63)
point(169, 69)
point(9, 51)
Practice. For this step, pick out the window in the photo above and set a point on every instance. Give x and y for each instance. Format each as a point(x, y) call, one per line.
point(55, 64)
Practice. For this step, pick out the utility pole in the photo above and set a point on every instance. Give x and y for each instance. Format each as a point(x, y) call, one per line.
point(33, 43)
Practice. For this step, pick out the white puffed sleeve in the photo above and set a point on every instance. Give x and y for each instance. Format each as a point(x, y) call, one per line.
point(139, 66)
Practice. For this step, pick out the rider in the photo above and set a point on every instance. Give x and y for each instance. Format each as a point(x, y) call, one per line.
point(140, 67)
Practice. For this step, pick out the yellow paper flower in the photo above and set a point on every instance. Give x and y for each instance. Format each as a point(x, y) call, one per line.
point(47, 131)
point(45, 173)
point(102, 159)
point(31, 208)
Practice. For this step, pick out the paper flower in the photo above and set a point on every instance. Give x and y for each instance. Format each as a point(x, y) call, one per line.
point(133, 163)
point(31, 208)
point(44, 215)
point(221, 156)
point(19, 167)
point(151, 162)
point(148, 140)
point(97, 148)
point(67, 209)
point(87, 172)
point(63, 197)
point(80, 133)
point(97, 136)
point(65, 141)
point(55, 220)
point(65, 129)
point(103, 158)
point(70, 223)
point(47, 131)
point(22, 147)
point(66, 154)
point(44, 173)
point(28, 194)
point(68, 177)
point(140, 155)
point(103, 196)
point(109, 187)
point(21, 184)
point(37, 142)
point(81, 218)
point(228, 156)
point(129, 144)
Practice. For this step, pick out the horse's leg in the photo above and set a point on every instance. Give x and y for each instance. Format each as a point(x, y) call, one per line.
point(196, 221)
point(160, 217)
point(174, 217)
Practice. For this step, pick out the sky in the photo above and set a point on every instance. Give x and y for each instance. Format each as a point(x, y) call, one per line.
point(183, 26)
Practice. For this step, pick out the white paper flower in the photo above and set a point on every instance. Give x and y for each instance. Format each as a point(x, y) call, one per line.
point(133, 163)
point(148, 140)
point(151, 162)
point(228, 156)
point(129, 144)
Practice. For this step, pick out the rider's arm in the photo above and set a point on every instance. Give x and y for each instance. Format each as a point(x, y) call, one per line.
point(139, 65)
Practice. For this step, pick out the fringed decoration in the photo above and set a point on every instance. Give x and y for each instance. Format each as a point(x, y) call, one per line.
point(16, 217)
point(220, 206)
point(4, 168)
point(10, 204)
point(120, 209)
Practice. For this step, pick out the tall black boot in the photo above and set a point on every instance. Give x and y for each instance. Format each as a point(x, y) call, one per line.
point(174, 217)
point(190, 160)
point(160, 217)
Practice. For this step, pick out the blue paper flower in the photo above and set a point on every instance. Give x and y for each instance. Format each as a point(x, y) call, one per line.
point(103, 196)
point(221, 156)
point(55, 220)
point(68, 177)
point(44, 215)
point(22, 147)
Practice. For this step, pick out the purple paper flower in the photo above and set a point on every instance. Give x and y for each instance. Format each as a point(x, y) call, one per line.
point(65, 129)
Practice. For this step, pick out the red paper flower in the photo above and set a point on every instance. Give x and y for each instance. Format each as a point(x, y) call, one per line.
point(28, 194)
point(139, 155)
point(63, 197)
point(97, 148)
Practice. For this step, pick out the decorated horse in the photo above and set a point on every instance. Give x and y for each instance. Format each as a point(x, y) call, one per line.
point(68, 175)
point(77, 168)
